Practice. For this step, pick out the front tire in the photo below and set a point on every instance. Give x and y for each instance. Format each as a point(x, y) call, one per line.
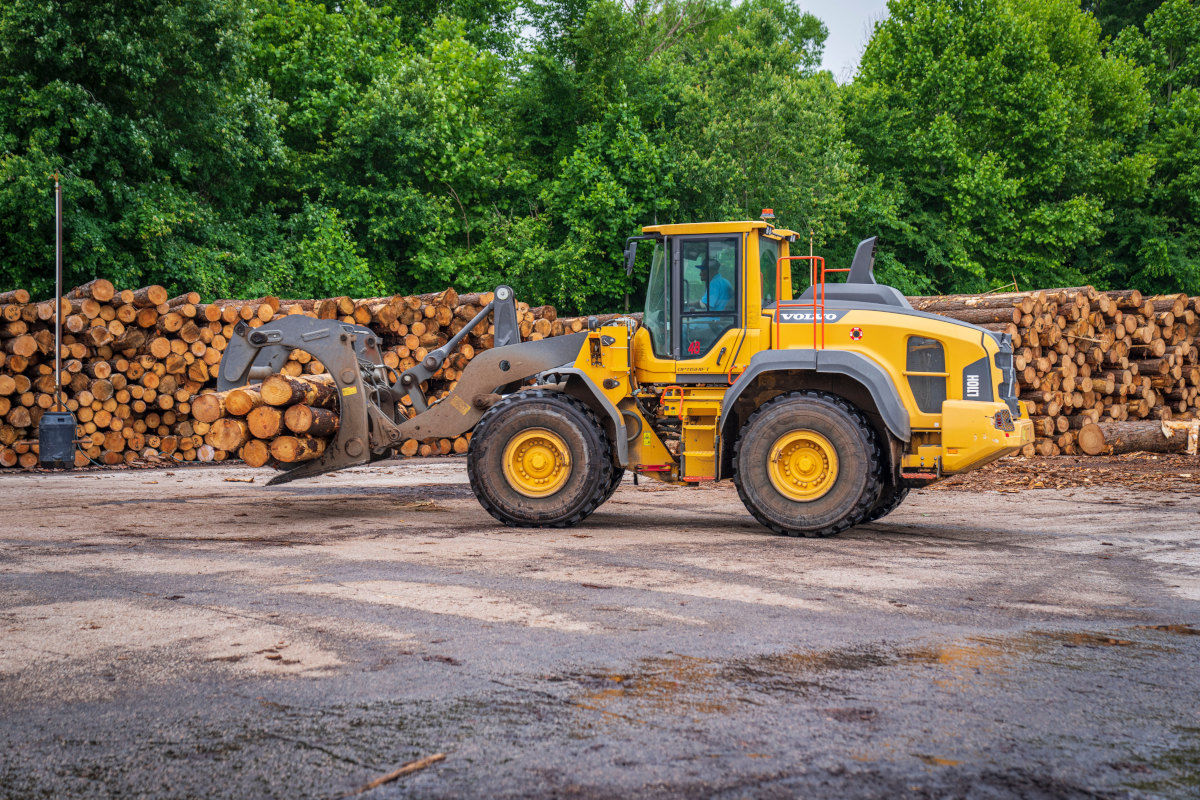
point(808, 464)
point(539, 458)
point(889, 500)
point(618, 474)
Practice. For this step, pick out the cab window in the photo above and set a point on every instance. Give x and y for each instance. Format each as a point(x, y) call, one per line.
point(768, 263)
point(656, 316)
point(708, 291)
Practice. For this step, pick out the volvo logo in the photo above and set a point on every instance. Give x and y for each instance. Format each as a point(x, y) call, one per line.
point(807, 316)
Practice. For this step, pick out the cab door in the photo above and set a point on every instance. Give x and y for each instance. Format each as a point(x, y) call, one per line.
point(706, 303)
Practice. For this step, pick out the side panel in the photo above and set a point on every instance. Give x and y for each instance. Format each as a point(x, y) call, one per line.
point(882, 334)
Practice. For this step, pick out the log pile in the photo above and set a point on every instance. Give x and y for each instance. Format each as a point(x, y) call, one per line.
point(1085, 357)
point(286, 419)
point(139, 367)
point(135, 360)
point(131, 361)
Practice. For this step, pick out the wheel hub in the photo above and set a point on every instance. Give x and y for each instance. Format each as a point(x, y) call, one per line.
point(802, 465)
point(536, 462)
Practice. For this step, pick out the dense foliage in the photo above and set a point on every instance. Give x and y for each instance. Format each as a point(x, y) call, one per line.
point(293, 147)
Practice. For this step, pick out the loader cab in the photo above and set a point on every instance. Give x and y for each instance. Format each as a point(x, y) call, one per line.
point(707, 287)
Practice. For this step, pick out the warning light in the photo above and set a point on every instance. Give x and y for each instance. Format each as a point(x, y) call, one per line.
point(768, 213)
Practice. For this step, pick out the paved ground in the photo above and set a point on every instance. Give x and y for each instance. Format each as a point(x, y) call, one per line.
point(181, 633)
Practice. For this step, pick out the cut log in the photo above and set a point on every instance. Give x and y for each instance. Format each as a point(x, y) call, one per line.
point(228, 433)
point(1129, 437)
point(149, 297)
point(290, 449)
point(210, 406)
point(265, 422)
point(98, 289)
point(312, 421)
point(24, 345)
point(240, 402)
point(255, 453)
point(287, 390)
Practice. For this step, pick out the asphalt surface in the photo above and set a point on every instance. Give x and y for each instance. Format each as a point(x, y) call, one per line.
point(183, 633)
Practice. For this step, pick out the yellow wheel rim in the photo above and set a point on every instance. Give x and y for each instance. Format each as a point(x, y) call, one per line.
point(537, 462)
point(802, 465)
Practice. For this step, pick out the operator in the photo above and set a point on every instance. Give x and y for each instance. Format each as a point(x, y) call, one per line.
point(719, 293)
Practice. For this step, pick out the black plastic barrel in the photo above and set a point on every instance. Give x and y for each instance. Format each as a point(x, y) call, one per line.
point(56, 440)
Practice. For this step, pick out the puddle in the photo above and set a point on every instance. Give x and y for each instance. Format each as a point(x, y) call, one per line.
point(1185, 630)
point(937, 761)
point(694, 686)
point(679, 685)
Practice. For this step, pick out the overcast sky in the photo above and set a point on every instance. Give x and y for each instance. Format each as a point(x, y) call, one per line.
point(849, 23)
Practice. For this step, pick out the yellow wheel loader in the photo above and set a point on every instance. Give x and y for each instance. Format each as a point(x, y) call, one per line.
point(824, 405)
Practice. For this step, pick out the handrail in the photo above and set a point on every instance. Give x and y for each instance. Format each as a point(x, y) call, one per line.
point(816, 278)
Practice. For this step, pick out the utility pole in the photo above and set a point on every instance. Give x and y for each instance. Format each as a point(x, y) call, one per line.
point(57, 428)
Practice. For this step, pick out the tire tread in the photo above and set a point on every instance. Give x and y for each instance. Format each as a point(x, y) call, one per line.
point(599, 492)
point(866, 502)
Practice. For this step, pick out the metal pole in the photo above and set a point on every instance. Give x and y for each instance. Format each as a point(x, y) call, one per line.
point(58, 228)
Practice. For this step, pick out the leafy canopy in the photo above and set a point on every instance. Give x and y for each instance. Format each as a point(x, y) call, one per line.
point(295, 147)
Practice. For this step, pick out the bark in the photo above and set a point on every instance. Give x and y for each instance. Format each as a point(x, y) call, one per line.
point(319, 422)
point(1130, 437)
point(290, 449)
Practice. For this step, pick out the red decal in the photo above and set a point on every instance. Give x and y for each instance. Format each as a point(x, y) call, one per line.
point(694, 348)
point(856, 334)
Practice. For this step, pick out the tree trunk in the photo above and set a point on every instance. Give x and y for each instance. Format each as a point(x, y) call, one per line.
point(284, 390)
point(312, 421)
point(1130, 437)
point(290, 449)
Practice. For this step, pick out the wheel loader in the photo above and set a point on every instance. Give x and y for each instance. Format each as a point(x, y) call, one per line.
point(824, 401)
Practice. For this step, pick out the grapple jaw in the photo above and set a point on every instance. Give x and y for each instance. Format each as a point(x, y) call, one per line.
point(351, 354)
point(371, 421)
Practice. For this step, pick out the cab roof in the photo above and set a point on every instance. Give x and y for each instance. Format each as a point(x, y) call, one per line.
point(685, 228)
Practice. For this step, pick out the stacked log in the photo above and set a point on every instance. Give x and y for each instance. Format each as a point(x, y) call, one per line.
point(1085, 357)
point(139, 367)
point(287, 419)
point(133, 361)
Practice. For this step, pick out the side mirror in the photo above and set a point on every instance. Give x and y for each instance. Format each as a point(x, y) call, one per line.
point(630, 255)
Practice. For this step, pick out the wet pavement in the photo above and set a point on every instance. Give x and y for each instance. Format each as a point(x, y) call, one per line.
point(185, 633)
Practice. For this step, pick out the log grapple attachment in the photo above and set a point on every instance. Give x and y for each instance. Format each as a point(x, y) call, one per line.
point(372, 419)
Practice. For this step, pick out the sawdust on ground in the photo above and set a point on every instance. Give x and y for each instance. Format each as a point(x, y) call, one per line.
point(1152, 471)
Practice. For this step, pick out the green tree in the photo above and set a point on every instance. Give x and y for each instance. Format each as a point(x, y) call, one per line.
point(1158, 235)
point(679, 112)
point(1116, 15)
point(1005, 132)
point(760, 127)
point(148, 111)
point(420, 162)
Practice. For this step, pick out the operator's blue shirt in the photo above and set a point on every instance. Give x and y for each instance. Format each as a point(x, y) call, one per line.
point(719, 294)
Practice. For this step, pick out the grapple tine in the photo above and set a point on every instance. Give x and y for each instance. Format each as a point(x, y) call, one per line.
point(344, 350)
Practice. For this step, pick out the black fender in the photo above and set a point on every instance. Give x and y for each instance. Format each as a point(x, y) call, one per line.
point(855, 366)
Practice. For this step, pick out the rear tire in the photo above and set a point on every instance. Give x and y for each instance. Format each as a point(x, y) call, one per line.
point(808, 464)
point(539, 458)
point(889, 500)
